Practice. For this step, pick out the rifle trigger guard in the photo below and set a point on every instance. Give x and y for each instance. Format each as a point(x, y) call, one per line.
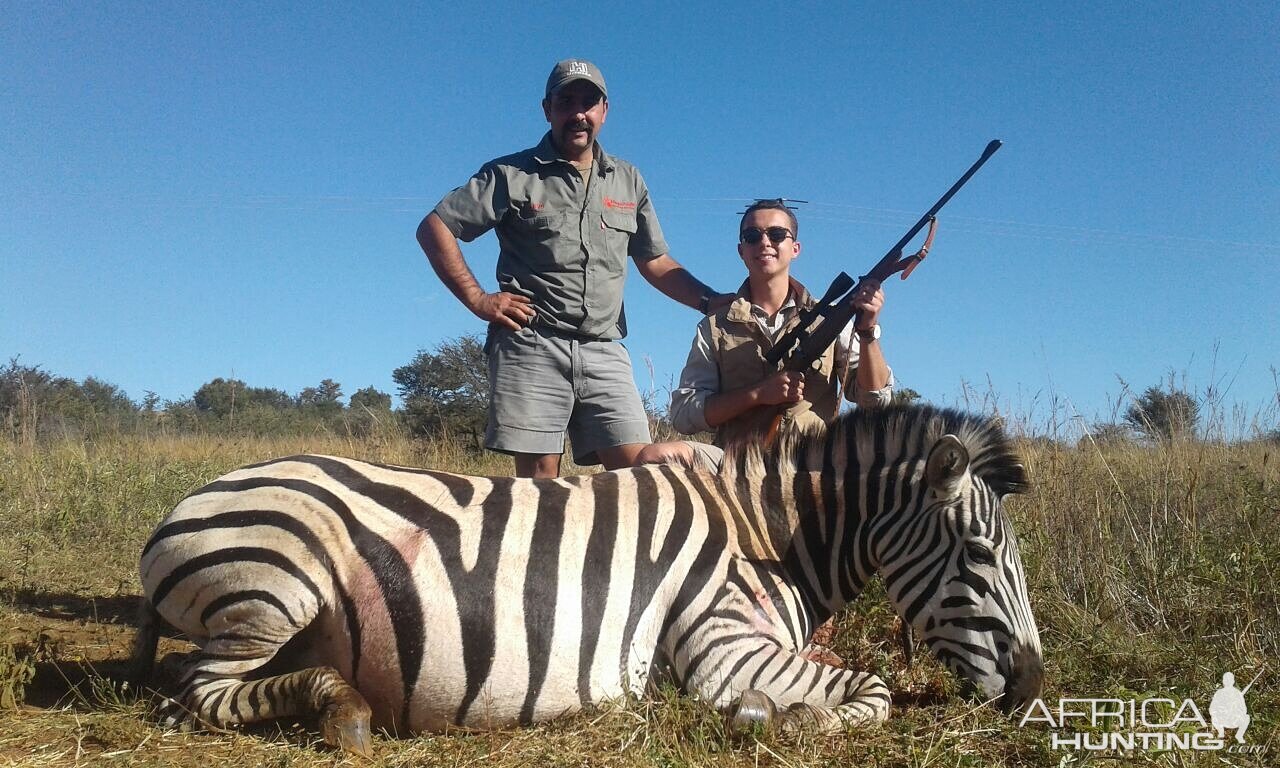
point(914, 259)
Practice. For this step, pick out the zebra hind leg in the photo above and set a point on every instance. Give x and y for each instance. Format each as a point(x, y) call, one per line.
point(218, 701)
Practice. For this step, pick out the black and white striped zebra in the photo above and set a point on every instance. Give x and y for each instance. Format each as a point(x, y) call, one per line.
point(422, 599)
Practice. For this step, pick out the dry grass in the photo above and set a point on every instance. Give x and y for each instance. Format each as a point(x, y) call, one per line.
point(1151, 570)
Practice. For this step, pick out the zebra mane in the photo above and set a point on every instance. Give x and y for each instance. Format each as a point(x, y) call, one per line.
point(991, 455)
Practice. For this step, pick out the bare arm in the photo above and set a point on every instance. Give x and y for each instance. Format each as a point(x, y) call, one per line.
point(780, 388)
point(676, 282)
point(441, 248)
point(873, 371)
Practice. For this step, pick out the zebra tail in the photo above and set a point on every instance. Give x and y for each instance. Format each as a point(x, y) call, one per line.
point(145, 642)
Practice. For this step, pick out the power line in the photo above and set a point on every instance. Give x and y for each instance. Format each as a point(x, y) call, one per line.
point(814, 211)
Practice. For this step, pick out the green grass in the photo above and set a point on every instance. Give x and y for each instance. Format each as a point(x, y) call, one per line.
point(1152, 571)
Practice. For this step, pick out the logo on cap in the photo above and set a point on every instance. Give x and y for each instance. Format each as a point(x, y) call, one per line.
point(578, 68)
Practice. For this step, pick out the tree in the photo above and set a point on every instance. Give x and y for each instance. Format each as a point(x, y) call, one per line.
point(221, 397)
point(1108, 433)
point(369, 412)
point(905, 396)
point(34, 400)
point(446, 390)
point(370, 399)
point(1161, 415)
point(103, 397)
point(150, 402)
point(324, 398)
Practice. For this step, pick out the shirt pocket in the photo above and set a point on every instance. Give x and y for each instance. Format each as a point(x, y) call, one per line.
point(539, 226)
point(617, 228)
point(540, 239)
point(620, 222)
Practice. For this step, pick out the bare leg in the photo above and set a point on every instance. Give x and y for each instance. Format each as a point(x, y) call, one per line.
point(673, 452)
point(538, 465)
point(619, 456)
point(685, 453)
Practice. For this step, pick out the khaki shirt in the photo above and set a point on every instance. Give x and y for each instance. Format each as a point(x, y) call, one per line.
point(562, 243)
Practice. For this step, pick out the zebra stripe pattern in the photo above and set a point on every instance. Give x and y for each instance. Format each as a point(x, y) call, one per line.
point(412, 600)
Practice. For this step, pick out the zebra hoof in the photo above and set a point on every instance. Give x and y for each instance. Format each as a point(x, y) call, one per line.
point(753, 708)
point(804, 718)
point(344, 724)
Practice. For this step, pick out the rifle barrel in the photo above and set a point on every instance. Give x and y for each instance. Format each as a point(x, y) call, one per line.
point(832, 312)
point(986, 155)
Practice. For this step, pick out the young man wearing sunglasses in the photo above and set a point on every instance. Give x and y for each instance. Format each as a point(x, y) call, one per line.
point(567, 216)
point(727, 387)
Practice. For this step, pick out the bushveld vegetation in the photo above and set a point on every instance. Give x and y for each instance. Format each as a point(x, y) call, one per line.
point(1152, 558)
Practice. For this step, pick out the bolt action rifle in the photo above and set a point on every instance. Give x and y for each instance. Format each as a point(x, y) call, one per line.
point(820, 325)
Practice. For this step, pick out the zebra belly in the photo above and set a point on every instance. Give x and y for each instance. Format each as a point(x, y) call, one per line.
point(527, 655)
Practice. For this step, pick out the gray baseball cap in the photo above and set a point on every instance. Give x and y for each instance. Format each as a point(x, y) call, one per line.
point(567, 71)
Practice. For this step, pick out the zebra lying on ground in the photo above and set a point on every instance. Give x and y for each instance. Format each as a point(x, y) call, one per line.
point(414, 600)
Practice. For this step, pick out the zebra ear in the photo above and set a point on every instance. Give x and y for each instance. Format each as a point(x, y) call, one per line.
point(947, 468)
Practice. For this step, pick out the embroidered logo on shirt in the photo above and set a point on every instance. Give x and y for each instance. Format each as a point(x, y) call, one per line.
point(609, 202)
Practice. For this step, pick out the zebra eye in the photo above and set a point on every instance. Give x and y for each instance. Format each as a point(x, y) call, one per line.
point(979, 553)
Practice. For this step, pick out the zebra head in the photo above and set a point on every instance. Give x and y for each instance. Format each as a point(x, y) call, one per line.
point(951, 567)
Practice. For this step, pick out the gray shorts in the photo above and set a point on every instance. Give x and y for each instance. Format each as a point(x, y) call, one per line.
point(544, 384)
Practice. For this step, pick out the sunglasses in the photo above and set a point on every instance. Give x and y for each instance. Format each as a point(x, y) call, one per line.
point(753, 235)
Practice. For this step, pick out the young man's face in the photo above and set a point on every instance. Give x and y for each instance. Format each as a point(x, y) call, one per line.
point(576, 113)
point(766, 258)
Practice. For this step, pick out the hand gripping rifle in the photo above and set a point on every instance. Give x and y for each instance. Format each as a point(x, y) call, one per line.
point(820, 325)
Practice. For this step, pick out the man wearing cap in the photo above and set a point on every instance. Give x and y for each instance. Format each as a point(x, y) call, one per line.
point(567, 217)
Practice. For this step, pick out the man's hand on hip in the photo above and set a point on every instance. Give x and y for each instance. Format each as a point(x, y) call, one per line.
point(509, 310)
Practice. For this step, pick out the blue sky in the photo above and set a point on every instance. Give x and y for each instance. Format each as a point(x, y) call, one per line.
point(232, 190)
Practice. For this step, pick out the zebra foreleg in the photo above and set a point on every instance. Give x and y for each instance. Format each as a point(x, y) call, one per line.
point(780, 689)
point(868, 706)
point(218, 702)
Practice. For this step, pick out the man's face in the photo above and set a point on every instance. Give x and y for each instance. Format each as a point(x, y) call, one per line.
point(766, 258)
point(576, 113)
